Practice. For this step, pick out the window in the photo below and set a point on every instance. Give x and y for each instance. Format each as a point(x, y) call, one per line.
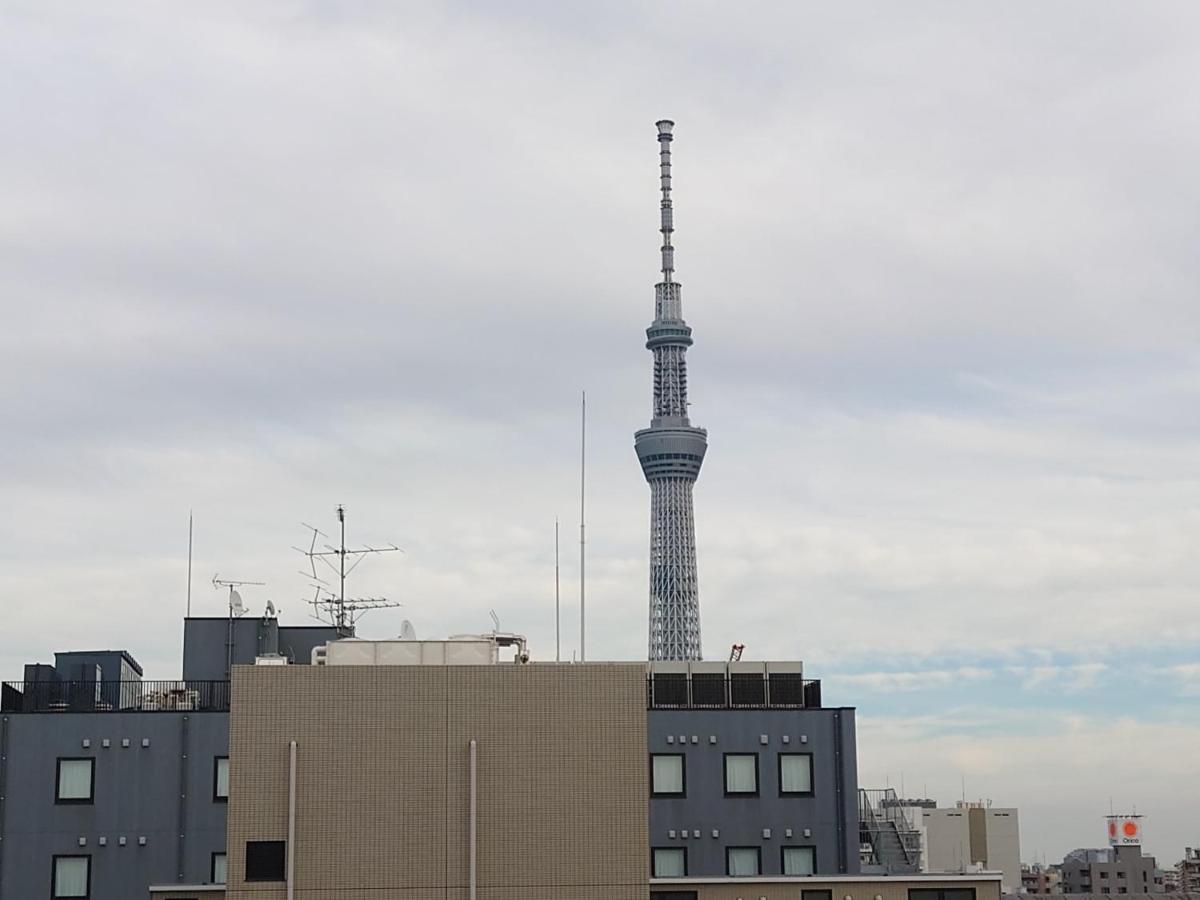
point(219, 869)
point(72, 876)
point(221, 779)
point(74, 780)
point(669, 862)
point(1103, 874)
point(672, 895)
point(741, 774)
point(947, 894)
point(667, 776)
point(742, 862)
point(1120, 874)
point(265, 860)
point(795, 774)
point(799, 860)
point(1105, 890)
point(816, 895)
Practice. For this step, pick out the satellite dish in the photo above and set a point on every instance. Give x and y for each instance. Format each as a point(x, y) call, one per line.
point(236, 607)
point(270, 610)
point(407, 632)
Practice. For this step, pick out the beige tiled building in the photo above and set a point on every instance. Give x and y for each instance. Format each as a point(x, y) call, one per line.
point(382, 800)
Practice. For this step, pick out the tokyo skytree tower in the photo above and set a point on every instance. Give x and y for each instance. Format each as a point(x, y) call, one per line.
point(671, 451)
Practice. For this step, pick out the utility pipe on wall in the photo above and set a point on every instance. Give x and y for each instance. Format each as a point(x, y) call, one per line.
point(291, 836)
point(472, 825)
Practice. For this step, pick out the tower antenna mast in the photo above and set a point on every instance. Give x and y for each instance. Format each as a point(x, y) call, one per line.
point(557, 614)
point(671, 452)
point(327, 605)
point(582, 556)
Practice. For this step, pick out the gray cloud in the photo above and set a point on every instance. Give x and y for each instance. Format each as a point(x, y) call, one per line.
point(939, 262)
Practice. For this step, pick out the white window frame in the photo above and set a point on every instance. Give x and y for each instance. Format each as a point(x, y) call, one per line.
point(757, 851)
point(784, 791)
point(654, 783)
point(219, 797)
point(753, 757)
point(679, 853)
point(812, 855)
point(64, 761)
point(87, 876)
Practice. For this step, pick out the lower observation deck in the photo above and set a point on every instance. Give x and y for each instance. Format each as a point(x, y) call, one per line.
point(670, 450)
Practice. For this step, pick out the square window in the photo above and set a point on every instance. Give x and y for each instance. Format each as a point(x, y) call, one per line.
point(669, 862)
point(795, 774)
point(219, 870)
point(72, 877)
point(667, 775)
point(74, 780)
point(741, 774)
point(266, 860)
point(936, 894)
point(743, 862)
point(799, 860)
point(221, 779)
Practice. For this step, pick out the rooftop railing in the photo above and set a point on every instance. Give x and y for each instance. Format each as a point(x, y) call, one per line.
point(114, 696)
point(732, 690)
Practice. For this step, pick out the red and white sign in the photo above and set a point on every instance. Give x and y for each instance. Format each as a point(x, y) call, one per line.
point(1124, 831)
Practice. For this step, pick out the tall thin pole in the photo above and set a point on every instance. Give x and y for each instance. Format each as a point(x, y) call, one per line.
point(189, 590)
point(341, 616)
point(557, 613)
point(582, 542)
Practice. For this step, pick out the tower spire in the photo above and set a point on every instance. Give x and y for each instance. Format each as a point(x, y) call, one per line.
point(671, 451)
point(665, 127)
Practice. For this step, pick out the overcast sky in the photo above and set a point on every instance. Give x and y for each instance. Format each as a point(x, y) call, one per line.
point(940, 258)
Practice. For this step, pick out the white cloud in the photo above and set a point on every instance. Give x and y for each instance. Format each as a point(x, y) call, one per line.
point(940, 264)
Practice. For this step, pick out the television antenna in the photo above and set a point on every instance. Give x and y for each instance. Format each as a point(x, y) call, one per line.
point(334, 607)
point(237, 609)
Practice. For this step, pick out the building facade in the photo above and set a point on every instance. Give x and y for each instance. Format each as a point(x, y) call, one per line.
point(1111, 870)
point(110, 783)
point(971, 835)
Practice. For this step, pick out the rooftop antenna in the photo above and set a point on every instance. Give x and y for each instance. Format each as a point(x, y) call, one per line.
point(237, 609)
point(189, 589)
point(332, 607)
point(582, 483)
point(557, 613)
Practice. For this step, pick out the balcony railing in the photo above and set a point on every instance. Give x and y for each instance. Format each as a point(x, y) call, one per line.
point(114, 696)
point(732, 690)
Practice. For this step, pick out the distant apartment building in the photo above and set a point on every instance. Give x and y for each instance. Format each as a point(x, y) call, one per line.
point(1187, 872)
point(969, 836)
point(1111, 870)
point(1040, 879)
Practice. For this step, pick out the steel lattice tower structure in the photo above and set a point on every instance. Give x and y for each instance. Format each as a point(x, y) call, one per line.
point(671, 452)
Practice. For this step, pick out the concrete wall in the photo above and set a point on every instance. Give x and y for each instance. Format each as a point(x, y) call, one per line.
point(162, 792)
point(1003, 846)
point(959, 837)
point(383, 780)
point(831, 814)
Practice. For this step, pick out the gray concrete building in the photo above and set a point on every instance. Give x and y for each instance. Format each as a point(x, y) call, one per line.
point(1111, 870)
